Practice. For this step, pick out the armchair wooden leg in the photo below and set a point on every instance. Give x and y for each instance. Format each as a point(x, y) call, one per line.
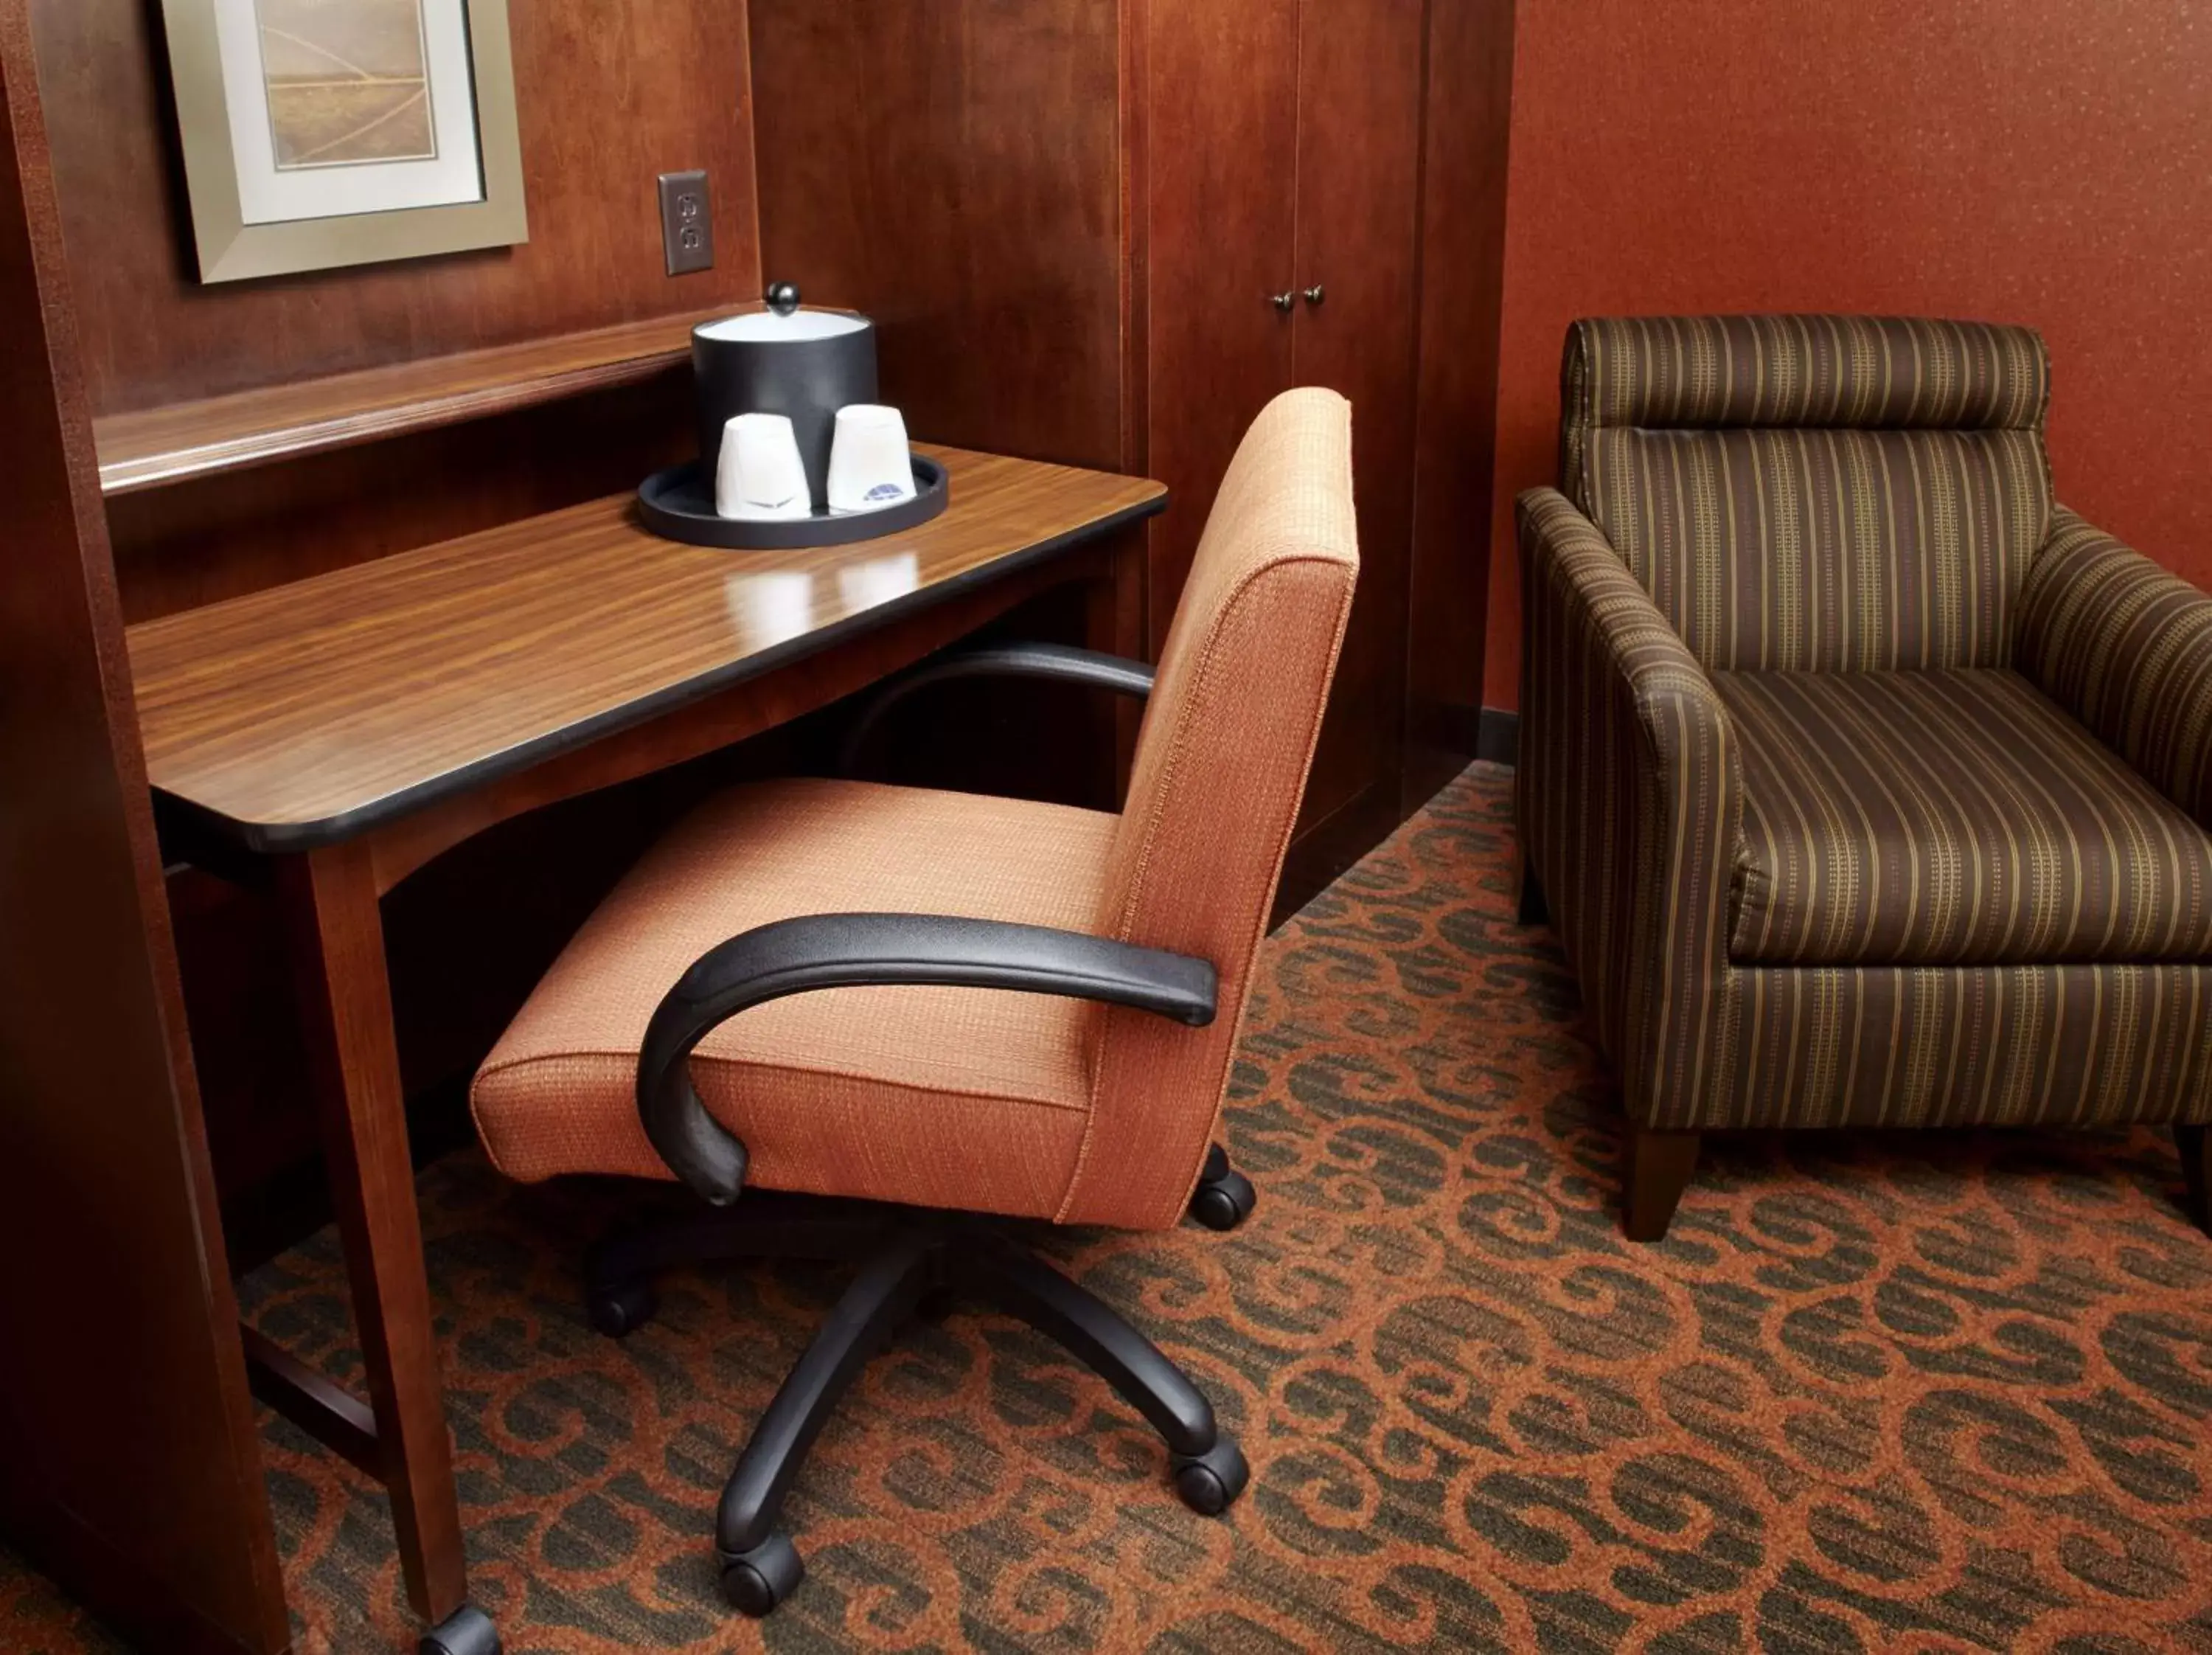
point(1657, 1168)
point(1534, 911)
point(2193, 1140)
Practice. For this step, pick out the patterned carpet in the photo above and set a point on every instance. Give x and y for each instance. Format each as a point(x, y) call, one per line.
point(1926, 1392)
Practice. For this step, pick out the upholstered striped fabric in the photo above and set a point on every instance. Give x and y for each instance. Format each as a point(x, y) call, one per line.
point(1861, 373)
point(2001, 1045)
point(1815, 493)
point(1954, 817)
point(1632, 788)
point(2127, 649)
point(1629, 805)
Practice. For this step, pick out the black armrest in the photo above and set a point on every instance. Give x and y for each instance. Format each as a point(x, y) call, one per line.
point(1019, 661)
point(840, 951)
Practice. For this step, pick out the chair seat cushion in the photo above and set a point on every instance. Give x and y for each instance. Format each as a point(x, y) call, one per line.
point(939, 1097)
point(1955, 818)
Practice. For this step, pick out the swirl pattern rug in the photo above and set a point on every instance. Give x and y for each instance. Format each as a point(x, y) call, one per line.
point(1928, 1391)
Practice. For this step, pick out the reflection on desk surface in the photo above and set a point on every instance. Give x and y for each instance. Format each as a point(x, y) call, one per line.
point(769, 606)
point(879, 580)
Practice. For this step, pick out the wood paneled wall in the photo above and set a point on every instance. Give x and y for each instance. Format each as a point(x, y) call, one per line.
point(611, 92)
point(1221, 206)
point(955, 170)
point(199, 542)
point(128, 1462)
point(1463, 176)
point(1071, 218)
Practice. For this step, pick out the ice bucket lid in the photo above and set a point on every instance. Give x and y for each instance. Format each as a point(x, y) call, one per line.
point(766, 327)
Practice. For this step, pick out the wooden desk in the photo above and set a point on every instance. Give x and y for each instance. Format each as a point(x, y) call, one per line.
point(335, 734)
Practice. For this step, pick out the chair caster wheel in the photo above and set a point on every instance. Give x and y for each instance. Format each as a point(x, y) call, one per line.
point(1210, 1482)
point(757, 1581)
point(623, 1307)
point(467, 1631)
point(1224, 1197)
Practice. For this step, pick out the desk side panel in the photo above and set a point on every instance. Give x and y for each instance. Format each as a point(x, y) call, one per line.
point(128, 1465)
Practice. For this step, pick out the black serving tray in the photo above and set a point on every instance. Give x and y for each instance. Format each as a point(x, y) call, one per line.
point(678, 504)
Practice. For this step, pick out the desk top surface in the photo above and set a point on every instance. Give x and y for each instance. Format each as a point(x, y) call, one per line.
point(310, 712)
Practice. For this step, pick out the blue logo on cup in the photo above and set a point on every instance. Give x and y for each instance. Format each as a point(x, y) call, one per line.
point(885, 491)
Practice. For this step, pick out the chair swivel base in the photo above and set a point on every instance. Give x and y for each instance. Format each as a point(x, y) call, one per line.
point(910, 1262)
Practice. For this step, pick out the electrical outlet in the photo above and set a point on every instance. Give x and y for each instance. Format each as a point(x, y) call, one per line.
point(687, 226)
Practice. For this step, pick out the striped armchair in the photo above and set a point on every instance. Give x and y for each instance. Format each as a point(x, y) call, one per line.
point(1864, 785)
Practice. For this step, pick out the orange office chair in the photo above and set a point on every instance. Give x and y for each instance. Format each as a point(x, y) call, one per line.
point(854, 924)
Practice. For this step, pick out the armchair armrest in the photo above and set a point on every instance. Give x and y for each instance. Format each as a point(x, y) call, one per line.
point(838, 950)
point(2127, 649)
point(1060, 662)
point(1630, 802)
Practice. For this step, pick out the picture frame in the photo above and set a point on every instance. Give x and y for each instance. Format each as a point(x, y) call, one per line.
point(324, 133)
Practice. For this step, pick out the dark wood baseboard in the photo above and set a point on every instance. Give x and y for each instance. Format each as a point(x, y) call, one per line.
point(1497, 738)
point(1440, 740)
point(1333, 844)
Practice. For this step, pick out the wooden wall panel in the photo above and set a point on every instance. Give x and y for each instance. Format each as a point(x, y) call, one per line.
point(611, 92)
point(1359, 158)
point(1221, 113)
point(199, 542)
point(1464, 167)
point(128, 1462)
point(953, 169)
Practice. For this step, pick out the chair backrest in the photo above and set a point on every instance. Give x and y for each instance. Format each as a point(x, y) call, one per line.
point(1221, 767)
point(1827, 493)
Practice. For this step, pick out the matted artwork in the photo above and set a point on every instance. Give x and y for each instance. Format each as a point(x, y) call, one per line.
point(348, 81)
point(322, 132)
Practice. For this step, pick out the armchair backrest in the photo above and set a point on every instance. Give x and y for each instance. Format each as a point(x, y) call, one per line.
point(1815, 493)
point(1221, 767)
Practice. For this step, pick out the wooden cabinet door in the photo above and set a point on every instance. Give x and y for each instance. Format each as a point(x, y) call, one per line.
point(1360, 146)
point(1221, 158)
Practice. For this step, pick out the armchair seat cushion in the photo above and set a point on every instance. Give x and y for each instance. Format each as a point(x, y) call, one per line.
point(939, 1097)
point(1950, 818)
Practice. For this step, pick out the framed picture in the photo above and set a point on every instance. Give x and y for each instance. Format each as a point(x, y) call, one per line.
point(317, 133)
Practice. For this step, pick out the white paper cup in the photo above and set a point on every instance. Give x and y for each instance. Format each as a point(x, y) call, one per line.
point(869, 466)
point(760, 478)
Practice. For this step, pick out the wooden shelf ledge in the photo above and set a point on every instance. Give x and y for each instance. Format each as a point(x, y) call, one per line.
point(157, 445)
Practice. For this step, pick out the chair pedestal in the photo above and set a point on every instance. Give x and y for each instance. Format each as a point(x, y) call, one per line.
point(908, 1259)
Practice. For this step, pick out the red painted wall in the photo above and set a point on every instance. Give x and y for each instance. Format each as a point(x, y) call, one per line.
point(2044, 161)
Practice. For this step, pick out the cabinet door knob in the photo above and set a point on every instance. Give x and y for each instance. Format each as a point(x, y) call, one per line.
point(1284, 301)
point(1315, 294)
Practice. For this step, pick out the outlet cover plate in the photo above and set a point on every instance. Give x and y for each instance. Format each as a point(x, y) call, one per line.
point(687, 222)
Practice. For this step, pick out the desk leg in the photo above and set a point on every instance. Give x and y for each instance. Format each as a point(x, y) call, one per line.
point(345, 999)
